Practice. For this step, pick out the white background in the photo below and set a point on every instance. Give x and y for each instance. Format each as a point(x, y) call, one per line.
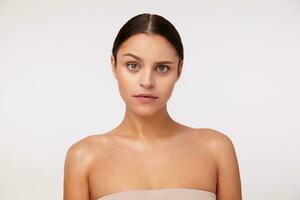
point(241, 77)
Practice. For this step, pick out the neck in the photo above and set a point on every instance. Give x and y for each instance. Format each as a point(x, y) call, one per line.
point(147, 128)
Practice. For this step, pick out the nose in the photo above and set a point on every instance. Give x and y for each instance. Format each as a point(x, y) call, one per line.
point(146, 80)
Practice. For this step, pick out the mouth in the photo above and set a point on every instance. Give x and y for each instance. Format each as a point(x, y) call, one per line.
point(146, 96)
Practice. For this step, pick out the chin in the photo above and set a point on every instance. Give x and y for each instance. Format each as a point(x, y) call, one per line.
point(145, 110)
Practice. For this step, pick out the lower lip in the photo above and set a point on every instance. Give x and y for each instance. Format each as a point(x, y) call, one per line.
point(146, 99)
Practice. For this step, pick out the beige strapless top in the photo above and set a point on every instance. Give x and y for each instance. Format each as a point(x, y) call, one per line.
point(161, 194)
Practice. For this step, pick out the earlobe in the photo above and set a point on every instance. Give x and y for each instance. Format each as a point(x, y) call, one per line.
point(113, 66)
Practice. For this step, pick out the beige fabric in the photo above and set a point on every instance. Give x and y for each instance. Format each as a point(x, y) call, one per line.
point(162, 194)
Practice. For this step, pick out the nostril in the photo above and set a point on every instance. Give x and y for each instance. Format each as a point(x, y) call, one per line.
point(147, 85)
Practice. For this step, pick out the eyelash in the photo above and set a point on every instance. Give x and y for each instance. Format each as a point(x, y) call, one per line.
point(158, 66)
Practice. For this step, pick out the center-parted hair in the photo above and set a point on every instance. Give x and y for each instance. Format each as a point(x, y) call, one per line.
point(149, 24)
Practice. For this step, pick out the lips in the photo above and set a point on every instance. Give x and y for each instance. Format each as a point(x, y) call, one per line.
point(146, 95)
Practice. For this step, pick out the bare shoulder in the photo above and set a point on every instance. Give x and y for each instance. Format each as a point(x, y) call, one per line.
point(84, 148)
point(220, 146)
point(78, 161)
point(223, 151)
point(214, 139)
point(83, 151)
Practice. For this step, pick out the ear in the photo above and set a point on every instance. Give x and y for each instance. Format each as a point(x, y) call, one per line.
point(114, 66)
point(180, 65)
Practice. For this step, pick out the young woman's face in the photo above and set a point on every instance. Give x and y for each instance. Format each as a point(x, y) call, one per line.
point(146, 64)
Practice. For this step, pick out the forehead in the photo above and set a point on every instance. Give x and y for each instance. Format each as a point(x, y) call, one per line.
point(152, 47)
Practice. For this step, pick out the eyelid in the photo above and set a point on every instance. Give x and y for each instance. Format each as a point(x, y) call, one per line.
point(166, 66)
point(130, 63)
point(158, 65)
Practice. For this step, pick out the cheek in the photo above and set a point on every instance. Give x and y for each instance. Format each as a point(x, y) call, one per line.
point(125, 83)
point(167, 87)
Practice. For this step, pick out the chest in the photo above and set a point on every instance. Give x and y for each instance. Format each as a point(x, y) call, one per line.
point(188, 165)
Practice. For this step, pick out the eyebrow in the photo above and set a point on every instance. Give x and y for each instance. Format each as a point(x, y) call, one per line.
point(141, 60)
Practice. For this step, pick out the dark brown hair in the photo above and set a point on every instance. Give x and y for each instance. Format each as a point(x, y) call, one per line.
point(149, 24)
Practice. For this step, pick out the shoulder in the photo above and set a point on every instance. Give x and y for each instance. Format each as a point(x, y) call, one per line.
point(219, 144)
point(215, 140)
point(78, 162)
point(82, 151)
point(223, 151)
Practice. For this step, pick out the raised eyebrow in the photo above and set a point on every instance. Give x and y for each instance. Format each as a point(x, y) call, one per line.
point(134, 56)
point(141, 60)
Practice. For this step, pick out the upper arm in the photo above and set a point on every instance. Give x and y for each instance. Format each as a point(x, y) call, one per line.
point(229, 183)
point(76, 173)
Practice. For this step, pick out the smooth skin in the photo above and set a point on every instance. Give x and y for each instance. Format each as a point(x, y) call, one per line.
point(148, 149)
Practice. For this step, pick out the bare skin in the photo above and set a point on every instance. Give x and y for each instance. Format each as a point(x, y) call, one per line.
point(149, 150)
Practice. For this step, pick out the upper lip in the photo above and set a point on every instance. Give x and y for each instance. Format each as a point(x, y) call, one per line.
point(145, 95)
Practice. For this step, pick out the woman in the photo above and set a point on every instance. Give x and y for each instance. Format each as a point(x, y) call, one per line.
point(149, 155)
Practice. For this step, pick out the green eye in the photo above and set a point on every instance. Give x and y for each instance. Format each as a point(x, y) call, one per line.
point(162, 67)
